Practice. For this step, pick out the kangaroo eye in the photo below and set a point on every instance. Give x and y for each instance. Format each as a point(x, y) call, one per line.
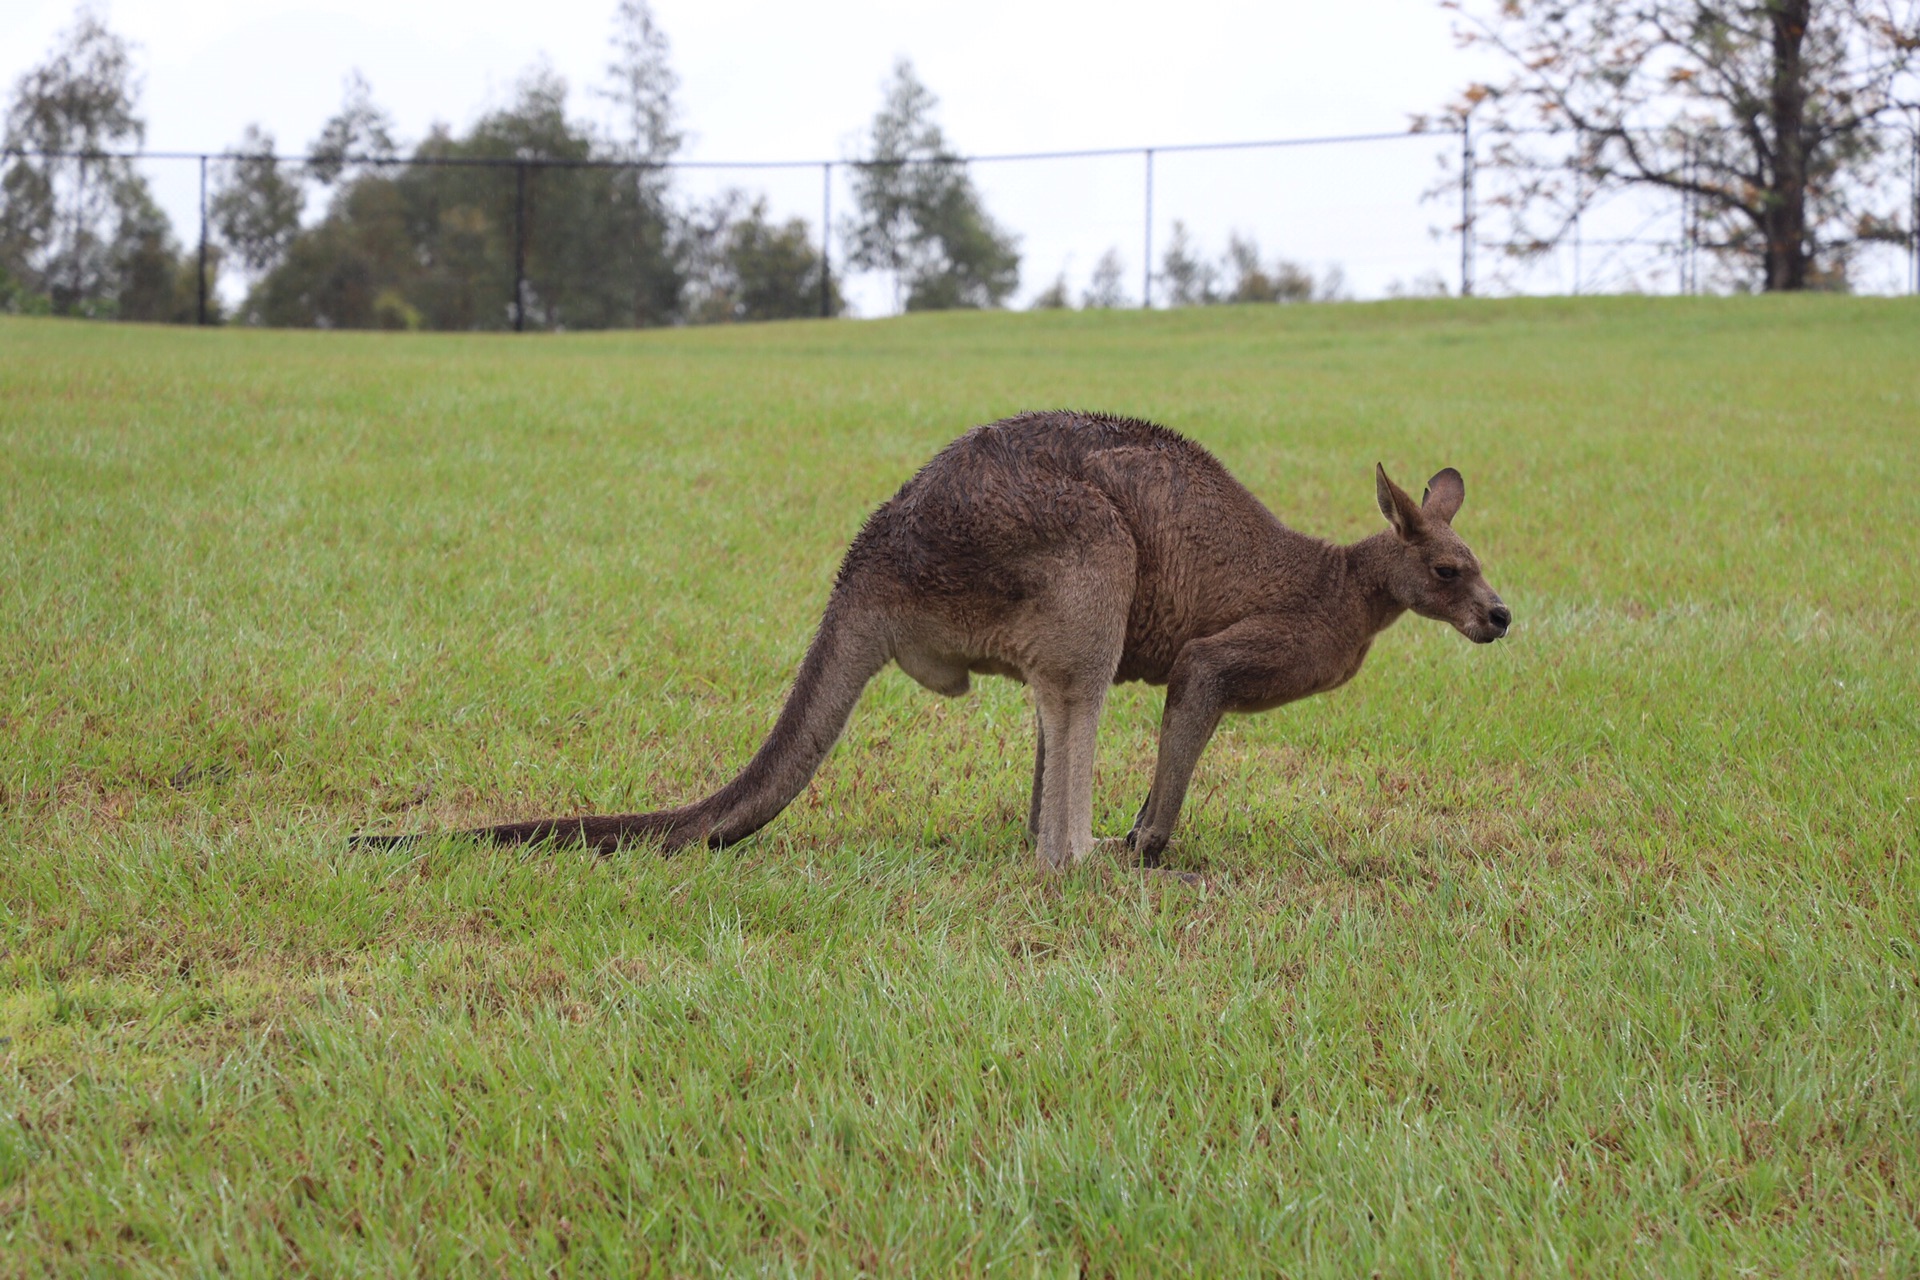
point(1446, 572)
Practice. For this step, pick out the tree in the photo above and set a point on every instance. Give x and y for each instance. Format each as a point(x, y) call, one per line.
point(331, 275)
point(744, 267)
point(1054, 297)
point(256, 206)
point(776, 270)
point(920, 216)
point(1104, 289)
point(155, 281)
point(72, 218)
point(1192, 281)
point(438, 244)
point(1253, 282)
point(1768, 115)
point(1189, 279)
point(1429, 284)
point(333, 272)
point(641, 85)
point(360, 131)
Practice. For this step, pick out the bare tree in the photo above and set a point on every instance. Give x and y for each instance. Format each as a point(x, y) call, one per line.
point(1770, 117)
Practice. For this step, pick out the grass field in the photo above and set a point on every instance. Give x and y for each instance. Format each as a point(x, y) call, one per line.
point(1596, 951)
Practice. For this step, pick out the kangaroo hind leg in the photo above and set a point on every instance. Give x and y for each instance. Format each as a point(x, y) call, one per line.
point(1072, 648)
point(1039, 774)
point(1069, 728)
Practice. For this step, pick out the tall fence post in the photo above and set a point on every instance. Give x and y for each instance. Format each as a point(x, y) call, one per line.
point(1913, 243)
point(200, 306)
point(1579, 202)
point(1146, 252)
point(1689, 282)
point(520, 247)
point(1466, 205)
point(826, 240)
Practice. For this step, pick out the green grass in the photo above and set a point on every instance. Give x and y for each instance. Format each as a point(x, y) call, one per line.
point(1594, 951)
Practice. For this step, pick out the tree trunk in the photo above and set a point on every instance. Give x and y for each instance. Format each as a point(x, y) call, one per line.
point(1785, 223)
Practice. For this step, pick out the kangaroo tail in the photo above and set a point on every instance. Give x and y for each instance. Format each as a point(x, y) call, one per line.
point(847, 652)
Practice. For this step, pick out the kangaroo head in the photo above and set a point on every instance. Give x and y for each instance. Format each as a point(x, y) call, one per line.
point(1432, 571)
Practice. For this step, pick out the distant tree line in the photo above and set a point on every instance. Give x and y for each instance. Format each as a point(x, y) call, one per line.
point(1777, 121)
point(1188, 277)
point(439, 236)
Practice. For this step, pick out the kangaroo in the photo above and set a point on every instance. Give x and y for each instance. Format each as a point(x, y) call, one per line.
point(1074, 551)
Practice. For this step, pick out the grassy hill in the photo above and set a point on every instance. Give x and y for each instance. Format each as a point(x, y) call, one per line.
point(1596, 950)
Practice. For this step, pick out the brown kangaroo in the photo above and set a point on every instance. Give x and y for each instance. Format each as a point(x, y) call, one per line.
point(1073, 551)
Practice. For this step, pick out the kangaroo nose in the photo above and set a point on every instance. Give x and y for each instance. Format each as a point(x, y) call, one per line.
point(1499, 616)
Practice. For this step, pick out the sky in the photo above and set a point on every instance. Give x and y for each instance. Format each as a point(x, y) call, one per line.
point(800, 82)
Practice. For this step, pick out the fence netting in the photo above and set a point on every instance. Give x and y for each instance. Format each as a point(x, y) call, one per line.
point(553, 242)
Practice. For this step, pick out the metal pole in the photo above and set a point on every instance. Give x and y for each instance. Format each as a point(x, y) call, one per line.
point(1579, 204)
point(1913, 251)
point(520, 248)
point(826, 250)
point(79, 231)
point(1146, 253)
point(200, 312)
point(1466, 206)
point(1686, 217)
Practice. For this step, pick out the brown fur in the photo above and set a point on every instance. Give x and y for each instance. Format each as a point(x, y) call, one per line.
point(1073, 551)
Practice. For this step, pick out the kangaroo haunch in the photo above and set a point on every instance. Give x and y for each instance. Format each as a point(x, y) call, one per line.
point(1071, 552)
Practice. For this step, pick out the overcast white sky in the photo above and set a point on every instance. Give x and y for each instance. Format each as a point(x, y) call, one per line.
point(792, 81)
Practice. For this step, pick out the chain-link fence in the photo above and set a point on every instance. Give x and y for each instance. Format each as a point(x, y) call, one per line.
point(1356, 216)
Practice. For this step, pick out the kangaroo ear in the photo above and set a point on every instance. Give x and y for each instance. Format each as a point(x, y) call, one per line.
point(1445, 492)
point(1407, 519)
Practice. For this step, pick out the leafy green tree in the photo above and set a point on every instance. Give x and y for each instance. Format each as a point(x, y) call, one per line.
point(1254, 281)
point(359, 132)
point(75, 228)
point(741, 266)
point(256, 204)
point(1105, 289)
point(1429, 284)
point(330, 275)
point(439, 243)
point(588, 214)
point(1054, 297)
point(155, 281)
point(1189, 279)
point(640, 85)
point(334, 272)
point(920, 216)
point(600, 244)
point(775, 270)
